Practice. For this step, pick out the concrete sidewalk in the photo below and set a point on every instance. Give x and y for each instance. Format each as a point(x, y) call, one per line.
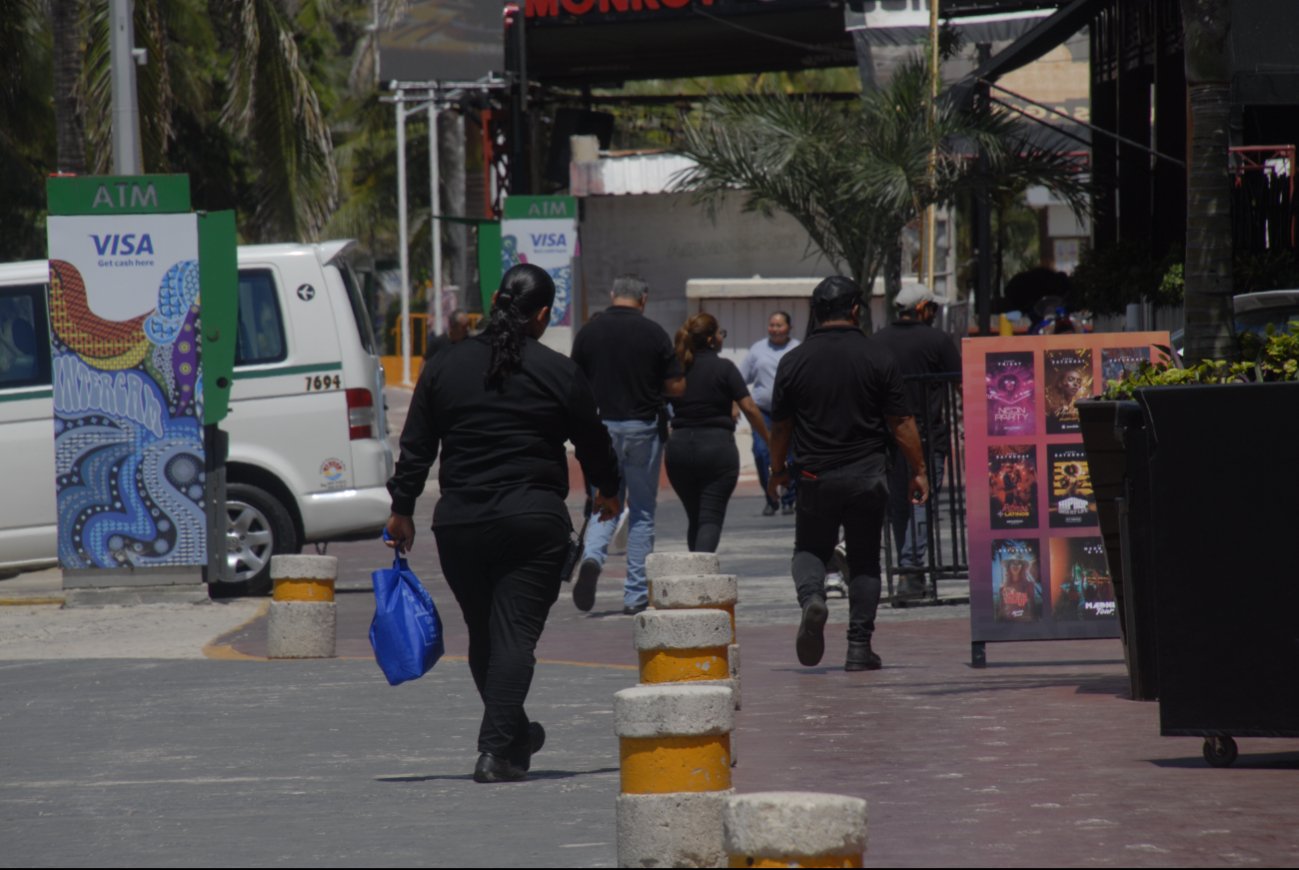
point(196, 751)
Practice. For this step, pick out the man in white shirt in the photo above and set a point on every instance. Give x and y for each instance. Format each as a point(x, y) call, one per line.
point(759, 371)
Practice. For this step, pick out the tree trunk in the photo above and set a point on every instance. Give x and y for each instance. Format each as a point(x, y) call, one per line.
point(65, 21)
point(1208, 308)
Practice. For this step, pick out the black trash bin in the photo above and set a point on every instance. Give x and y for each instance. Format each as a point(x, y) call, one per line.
point(1224, 479)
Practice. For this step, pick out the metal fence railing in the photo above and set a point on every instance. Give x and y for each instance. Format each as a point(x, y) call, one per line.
point(946, 556)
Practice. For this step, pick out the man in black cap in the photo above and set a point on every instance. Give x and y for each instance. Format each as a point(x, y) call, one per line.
point(839, 397)
point(921, 352)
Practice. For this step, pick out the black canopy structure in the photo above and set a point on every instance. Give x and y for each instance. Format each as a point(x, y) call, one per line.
point(606, 42)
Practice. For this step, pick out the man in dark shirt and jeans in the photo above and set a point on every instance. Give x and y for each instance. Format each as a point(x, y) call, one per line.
point(632, 366)
point(840, 398)
point(921, 350)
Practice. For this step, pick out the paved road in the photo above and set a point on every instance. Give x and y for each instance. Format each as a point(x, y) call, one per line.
point(160, 736)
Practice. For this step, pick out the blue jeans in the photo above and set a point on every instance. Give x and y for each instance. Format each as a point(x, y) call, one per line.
point(910, 522)
point(762, 459)
point(640, 456)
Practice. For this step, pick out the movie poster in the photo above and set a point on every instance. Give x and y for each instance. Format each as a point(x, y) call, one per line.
point(1068, 379)
point(1011, 395)
point(1081, 588)
point(1118, 361)
point(1016, 580)
point(1012, 486)
point(1037, 570)
point(1072, 503)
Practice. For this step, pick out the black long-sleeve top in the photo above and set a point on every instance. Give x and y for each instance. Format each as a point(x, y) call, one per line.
point(502, 451)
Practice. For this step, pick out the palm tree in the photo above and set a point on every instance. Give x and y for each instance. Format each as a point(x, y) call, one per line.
point(234, 92)
point(1209, 322)
point(27, 139)
point(855, 176)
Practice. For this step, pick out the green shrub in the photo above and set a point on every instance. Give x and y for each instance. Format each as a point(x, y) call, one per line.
point(1274, 357)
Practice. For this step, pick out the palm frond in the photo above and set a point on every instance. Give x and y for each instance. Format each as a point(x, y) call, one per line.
point(273, 104)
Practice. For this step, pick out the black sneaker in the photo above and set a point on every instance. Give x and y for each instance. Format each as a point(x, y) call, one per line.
point(584, 587)
point(633, 609)
point(810, 643)
point(862, 658)
point(786, 510)
point(769, 510)
point(493, 768)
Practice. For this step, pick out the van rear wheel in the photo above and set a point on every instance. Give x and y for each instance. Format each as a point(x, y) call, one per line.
point(259, 527)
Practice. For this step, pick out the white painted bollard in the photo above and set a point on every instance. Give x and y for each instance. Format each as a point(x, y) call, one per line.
point(669, 564)
point(795, 829)
point(690, 591)
point(706, 591)
point(674, 748)
point(303, 619)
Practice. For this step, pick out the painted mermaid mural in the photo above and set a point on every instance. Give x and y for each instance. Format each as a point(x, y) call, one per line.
point(128, 402)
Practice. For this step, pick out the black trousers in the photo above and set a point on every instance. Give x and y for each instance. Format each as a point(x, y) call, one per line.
point(505, 576)
point(856, 501)
point(703, 467)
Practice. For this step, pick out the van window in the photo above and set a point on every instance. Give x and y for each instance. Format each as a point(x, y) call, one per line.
point(261, 327)
point(359, 314)
point(24, 337)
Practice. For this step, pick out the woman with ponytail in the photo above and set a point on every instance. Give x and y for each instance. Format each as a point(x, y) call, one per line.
point(499, 407)
point(702, 459)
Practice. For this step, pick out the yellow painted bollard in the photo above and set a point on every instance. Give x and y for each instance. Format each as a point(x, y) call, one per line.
point(702, 591)
point(674, 747)
point(795, 829)
point(303, 619)
point(678, 646)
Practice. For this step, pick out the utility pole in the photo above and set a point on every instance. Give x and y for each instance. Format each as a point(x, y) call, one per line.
point(126, 113)
point(931, 216)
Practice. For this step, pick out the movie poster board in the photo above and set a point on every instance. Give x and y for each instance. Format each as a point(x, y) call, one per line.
point(1037, 564)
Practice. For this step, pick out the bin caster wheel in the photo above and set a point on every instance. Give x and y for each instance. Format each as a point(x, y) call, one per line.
point(1220, 751)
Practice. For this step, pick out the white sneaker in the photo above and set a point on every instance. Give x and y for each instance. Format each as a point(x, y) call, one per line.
point(835, 586)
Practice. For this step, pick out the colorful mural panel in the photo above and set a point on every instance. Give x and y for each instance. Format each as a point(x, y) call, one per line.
point(128, 398)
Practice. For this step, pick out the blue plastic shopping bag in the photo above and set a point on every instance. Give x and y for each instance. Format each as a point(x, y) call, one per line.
point(406, 632)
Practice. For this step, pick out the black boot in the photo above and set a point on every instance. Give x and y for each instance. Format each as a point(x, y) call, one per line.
point(862, 658)
point(810, 643)
point(493, 768)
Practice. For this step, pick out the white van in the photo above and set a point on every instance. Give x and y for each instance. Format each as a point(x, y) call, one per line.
point(309, 455)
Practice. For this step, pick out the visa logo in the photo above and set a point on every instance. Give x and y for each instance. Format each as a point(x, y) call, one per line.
point(122, 244)
point(548, 240)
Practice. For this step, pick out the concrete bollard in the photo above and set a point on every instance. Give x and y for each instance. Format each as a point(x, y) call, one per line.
point(672, 563)
point(733, 661)
point(682, 645)
point(795, 829)
point(674, 746)
point(303, 619)
point(707, 591)
point(685, 591)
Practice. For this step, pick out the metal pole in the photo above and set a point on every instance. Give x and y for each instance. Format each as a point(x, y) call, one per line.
point(403, 243)
point(983, 227)
point(126, 114)
point(435, 211)
point(931, 213)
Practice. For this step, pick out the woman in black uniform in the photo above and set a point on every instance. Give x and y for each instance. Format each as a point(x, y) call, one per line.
point(702, 460)
point(500, 405)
